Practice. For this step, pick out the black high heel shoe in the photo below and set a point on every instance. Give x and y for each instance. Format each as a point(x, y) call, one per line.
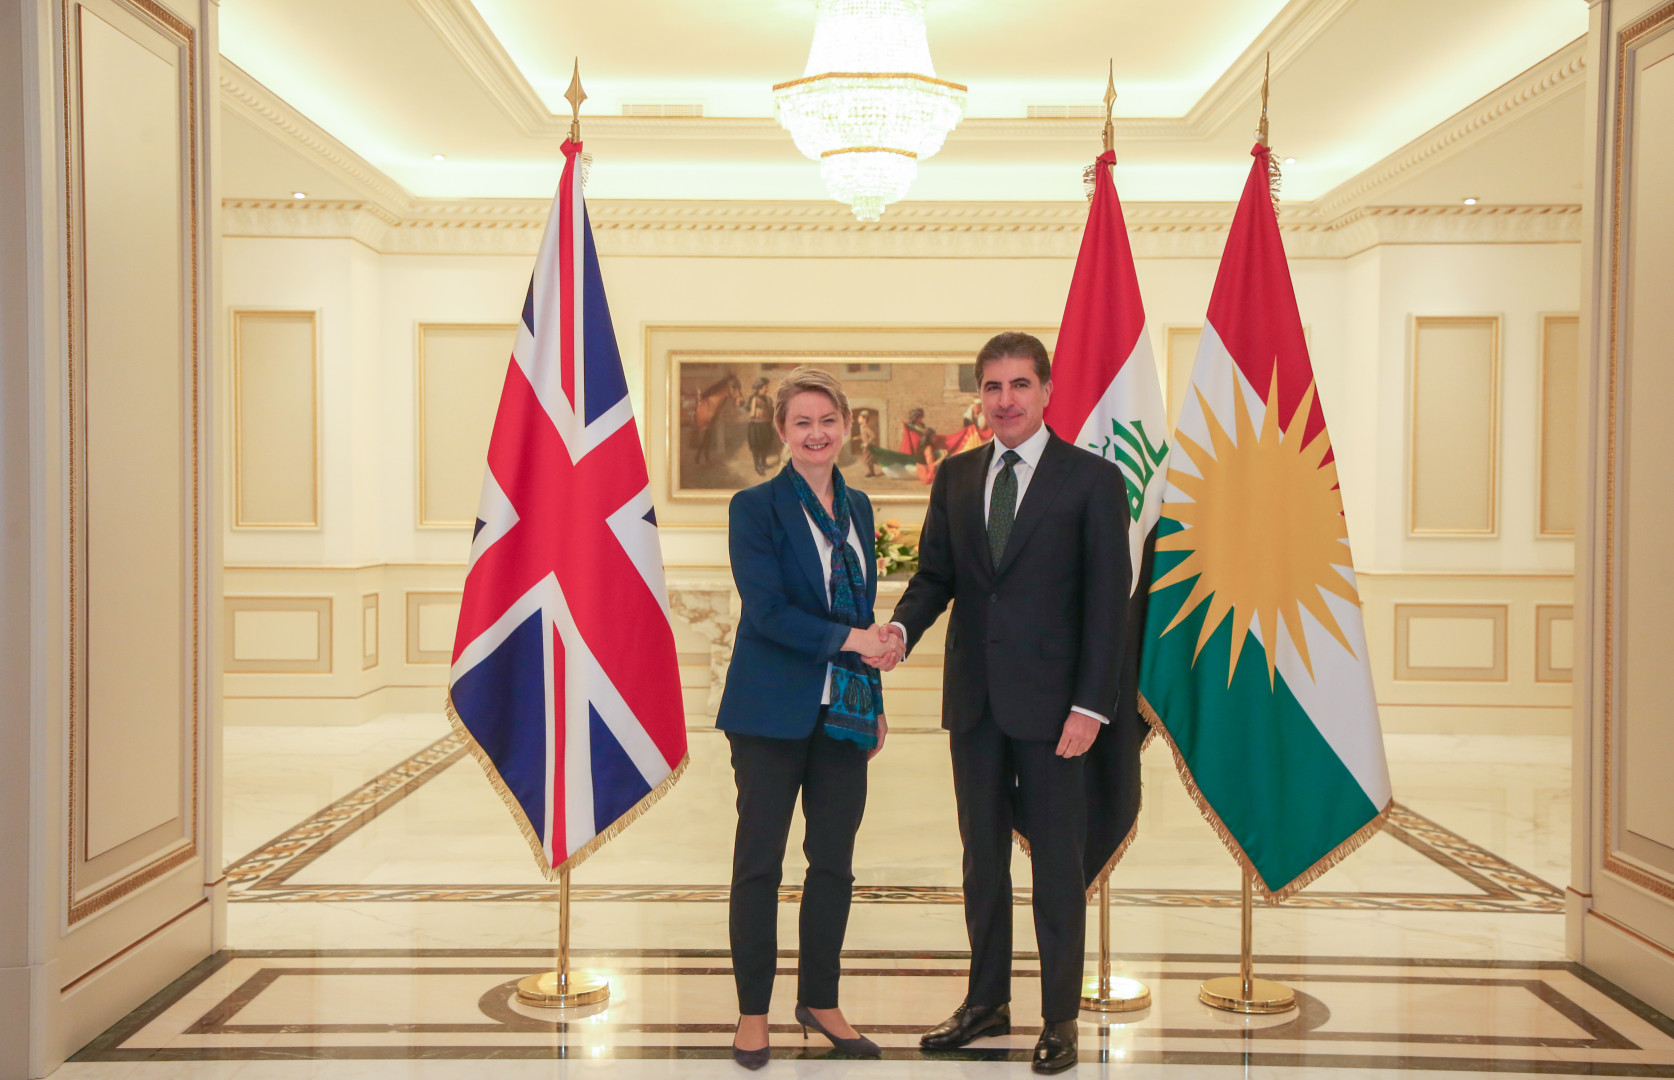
point(750, 1059)
point(859, 1046)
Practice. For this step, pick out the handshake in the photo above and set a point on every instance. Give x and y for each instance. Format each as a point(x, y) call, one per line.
point(880, 645)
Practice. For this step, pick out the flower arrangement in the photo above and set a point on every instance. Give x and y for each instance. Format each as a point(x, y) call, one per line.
point(896, 553)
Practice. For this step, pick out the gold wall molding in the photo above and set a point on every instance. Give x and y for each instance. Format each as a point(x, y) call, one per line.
point(1546, 669)
point(91, 885)
point(1505, 695)
point(1426, 509)
point(369, 631)
point(319, 606)
point(1494, 616)
point(1654, 25)
point(1557, 439)
point(241, 482)
point(468, 409)
point(417, 601)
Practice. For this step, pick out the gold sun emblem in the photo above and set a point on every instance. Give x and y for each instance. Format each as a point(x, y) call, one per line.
point(1265, 533)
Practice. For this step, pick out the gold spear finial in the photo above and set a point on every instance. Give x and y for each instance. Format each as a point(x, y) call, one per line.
point(1109, 107)
point(1266, 73)
point(575, 95)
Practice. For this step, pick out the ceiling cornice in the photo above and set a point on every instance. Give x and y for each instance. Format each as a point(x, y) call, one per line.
point(462, 28)
point(272, 114)
point(1559, 74)
point(1292, 30)
point(389, 218)
point(913, 230)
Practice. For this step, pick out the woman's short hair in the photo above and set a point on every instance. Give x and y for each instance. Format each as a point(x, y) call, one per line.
point(1015, 343)
point(804, 380)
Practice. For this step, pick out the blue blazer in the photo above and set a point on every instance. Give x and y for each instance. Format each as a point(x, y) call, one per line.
point(786, 634)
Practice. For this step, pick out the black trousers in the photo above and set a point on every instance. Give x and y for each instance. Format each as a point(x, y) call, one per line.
point(831, 775)
point(994, 778)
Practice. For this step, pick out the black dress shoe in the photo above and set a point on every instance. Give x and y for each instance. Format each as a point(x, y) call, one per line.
point(968, 1022)
point(1056, 1051)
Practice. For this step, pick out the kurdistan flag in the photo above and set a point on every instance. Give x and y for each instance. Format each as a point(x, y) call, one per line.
point(1254, 661)
point(1106, 398)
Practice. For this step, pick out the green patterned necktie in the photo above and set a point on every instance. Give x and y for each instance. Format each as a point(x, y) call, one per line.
point(1002, 506)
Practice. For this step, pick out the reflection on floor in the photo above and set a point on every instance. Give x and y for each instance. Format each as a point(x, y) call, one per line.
point(382, 905)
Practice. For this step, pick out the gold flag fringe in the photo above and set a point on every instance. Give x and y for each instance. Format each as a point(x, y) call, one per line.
point(1122, 849)
point(1296, 884)
point(551, 873)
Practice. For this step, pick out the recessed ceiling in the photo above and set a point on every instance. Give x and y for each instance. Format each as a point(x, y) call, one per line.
point(398, 81)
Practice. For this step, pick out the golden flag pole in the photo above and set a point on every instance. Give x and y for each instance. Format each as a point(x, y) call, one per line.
point(563, 988)
point(1107, 993)
point(1243, 992)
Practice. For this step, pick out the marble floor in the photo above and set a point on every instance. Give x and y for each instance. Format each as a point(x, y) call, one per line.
point(382, 907)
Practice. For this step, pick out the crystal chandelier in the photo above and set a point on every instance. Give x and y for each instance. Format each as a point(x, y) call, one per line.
point(869, 107)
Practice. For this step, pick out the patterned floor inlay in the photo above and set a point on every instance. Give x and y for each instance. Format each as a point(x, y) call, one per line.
point(1487, 882)
point(1355, 1014)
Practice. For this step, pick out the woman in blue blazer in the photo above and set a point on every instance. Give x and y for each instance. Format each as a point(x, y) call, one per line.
point(803, 707)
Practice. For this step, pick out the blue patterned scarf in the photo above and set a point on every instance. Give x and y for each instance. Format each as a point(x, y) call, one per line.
point(856, 687)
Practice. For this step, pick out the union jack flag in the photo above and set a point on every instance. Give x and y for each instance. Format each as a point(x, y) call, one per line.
point(564, 671)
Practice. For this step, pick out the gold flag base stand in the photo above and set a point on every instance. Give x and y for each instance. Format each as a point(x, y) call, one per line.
point(563, 988)
point(550, 990)
point(1233, 994)
point(1109, 993)
point(1117, 994)
point(1244, 993)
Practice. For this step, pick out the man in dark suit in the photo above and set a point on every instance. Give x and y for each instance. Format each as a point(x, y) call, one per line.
point(1027, 538)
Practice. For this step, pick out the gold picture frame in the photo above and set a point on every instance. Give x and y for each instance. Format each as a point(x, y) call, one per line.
point(878, 366)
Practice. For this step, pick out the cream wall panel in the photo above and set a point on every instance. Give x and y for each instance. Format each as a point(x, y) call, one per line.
point(461, 370)
point(337, 280)
point(276, 635)
point(436, 624)
point(1385, 290)
point(345, 687)
point(431, 618)
point(279, 635)
point(1495, 620)
point(1620, 905)
point(1559, 441)
point(1450, 642)
point(1180, 354)
point(137, 545)
point(369, 631)
point(276, 419)
point(1455, 425)
point(1554, 642)
point(407, 290)
point(1454, 641)
point(1647, 497)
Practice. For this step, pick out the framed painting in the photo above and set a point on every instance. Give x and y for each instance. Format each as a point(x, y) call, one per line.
point(710, 398)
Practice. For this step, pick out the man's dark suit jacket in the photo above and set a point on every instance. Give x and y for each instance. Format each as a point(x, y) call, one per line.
point(1043, 630)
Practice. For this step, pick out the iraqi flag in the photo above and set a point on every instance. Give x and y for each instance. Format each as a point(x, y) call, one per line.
point(564, 671)
point(1254, 661)
point(1107, 399)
